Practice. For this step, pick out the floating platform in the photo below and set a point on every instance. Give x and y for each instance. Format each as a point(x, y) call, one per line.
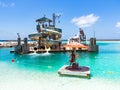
point(53, 51)
point(81, 71)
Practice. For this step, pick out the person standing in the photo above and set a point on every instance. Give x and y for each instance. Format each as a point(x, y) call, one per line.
point(72, 58)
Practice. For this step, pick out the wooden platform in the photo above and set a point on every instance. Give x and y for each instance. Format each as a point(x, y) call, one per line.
point(81, 71)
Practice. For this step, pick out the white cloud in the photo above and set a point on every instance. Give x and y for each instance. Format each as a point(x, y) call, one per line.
point(85, 21)
point(3, 4)
point(118, 24)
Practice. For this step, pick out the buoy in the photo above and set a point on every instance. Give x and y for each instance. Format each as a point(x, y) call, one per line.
point(49, 66)
point(110, 72)
point(13, 60)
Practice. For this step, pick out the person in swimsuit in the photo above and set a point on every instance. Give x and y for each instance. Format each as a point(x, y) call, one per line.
point(72, 58)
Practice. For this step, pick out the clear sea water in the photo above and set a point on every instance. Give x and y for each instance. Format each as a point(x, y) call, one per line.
point(104, 65)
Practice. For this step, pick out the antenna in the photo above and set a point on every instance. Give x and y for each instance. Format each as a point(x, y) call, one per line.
point(56, 15)
point(94, 34)
point(18, 35)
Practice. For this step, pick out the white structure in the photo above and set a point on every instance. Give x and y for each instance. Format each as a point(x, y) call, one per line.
point(81, 71)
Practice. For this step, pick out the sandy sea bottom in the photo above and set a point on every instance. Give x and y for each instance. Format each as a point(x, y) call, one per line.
point(20, 79)
point(44, 82)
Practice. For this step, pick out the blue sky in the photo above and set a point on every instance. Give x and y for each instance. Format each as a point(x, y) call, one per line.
point(99, 16)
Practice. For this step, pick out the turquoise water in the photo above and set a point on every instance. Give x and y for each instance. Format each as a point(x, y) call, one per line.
point(105, 64)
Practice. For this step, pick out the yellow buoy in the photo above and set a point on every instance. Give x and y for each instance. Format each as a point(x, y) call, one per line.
point(49, 66)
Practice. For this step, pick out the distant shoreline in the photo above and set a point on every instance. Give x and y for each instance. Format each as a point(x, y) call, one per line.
point(103, 40)
point(108, 39)
point(66, 40)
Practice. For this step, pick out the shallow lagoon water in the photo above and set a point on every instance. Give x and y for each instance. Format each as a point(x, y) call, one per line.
point(39, 71)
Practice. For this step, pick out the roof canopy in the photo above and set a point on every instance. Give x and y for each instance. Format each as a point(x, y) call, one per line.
point(77, 45)
point(43, 19)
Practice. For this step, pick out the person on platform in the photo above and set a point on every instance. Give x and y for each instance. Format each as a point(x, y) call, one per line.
point(72, 58)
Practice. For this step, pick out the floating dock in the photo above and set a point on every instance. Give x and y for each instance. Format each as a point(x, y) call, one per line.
point(53, 51)
point(81, 71)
